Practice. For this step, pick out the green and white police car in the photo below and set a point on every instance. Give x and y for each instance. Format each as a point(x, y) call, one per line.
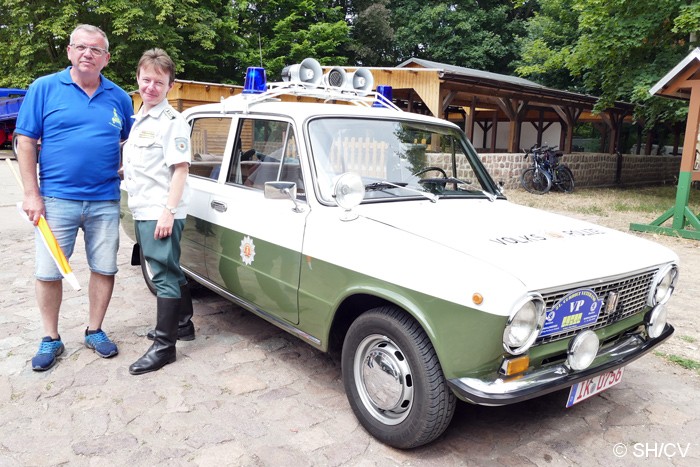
point(359, 228)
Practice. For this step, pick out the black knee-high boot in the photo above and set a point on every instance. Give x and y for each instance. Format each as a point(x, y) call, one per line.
point(162, 351)
point(185, 327)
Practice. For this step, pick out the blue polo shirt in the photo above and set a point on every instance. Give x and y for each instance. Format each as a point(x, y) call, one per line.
point(79, 135)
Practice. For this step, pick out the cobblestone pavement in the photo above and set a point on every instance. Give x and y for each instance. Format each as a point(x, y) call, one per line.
point(246, 393)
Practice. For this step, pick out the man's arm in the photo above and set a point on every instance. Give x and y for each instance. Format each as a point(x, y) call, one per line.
point(27, 156)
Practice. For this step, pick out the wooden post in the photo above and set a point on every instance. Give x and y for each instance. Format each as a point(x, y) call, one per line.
point(682, 82)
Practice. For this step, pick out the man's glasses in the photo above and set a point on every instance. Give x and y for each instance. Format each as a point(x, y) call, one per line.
point(96, 51)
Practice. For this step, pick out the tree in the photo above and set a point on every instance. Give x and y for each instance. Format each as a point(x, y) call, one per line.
point(476, 34)
point(614, 49)
point(372, 37)
point(552, 33)
point(209, 40)
point(277, 33)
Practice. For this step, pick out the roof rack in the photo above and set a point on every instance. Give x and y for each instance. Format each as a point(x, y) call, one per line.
point(323, 92)
point(307, 80)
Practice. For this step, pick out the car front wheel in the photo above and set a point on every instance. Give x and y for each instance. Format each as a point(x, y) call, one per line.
point(393, 379)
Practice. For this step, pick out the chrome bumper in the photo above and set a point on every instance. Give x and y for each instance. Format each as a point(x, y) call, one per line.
point(503, 391)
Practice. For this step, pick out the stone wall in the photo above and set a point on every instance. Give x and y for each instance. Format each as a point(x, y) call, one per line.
point(591, 169)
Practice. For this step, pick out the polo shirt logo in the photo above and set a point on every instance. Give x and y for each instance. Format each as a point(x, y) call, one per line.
point(116, 121)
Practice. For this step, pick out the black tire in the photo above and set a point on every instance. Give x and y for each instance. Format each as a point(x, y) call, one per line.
point(393, 379)
point(14, 145)
point(536, 181)
point(147, 273)
point(565, 179)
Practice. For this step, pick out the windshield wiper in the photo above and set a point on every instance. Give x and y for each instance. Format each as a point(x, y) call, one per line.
point(384, 185)
point(379, 186)
point(446, 180)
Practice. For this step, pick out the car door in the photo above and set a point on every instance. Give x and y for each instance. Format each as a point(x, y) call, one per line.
point(253, 244)
point(210, 135)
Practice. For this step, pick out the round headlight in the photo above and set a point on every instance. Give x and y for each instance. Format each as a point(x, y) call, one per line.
point(656, 321)
point(582, 350)
point(523, 325)
point(665, 283)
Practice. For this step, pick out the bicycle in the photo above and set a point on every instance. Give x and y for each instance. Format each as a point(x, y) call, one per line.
point(546, 172)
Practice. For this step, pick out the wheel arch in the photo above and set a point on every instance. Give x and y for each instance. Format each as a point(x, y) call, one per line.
point(354, 305)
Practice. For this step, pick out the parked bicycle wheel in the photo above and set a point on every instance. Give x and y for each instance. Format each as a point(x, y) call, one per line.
point(565, 179)
point(536, 181)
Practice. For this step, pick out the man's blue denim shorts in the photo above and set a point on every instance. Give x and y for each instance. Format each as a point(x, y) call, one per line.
point(99, 221)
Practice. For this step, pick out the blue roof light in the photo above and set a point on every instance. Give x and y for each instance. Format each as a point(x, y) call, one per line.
point(386, 92)
point(255, 81)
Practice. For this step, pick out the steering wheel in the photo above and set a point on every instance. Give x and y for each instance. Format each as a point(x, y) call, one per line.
point(248, 155)
point(428, 169)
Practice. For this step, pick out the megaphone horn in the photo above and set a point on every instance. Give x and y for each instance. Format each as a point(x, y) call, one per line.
point(308, 72)
point(362, 80)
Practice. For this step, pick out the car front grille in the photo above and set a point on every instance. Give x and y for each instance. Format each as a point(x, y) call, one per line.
point(632, 294)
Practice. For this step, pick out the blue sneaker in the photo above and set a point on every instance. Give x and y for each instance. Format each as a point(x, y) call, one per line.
point(49, 349)
point(100, 343)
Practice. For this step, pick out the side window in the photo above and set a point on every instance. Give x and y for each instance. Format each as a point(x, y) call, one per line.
point(266, 151)
point(209, 135)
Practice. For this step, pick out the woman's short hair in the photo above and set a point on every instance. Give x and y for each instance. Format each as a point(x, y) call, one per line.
point(159, 60)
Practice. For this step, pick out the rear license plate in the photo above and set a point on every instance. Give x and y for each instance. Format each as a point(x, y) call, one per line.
point(589, 388)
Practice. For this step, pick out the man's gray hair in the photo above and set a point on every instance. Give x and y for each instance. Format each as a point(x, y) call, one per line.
point(92, 30)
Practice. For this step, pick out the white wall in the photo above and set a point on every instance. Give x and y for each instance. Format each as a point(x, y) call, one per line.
point(528, 136)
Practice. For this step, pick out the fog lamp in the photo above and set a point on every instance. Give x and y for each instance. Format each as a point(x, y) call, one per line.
point(656, 321)
point(583, 350)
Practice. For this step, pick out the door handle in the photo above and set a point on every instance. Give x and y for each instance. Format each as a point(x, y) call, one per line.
point(219, 206)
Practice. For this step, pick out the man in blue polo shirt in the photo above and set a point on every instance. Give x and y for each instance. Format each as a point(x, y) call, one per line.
point(80, 117)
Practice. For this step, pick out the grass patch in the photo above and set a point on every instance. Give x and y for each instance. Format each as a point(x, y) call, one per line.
point(592, 210)
point(688, 339)
point(687, 363)
point(608, 201)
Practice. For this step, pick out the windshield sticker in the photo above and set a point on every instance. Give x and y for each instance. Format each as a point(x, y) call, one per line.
point(530, 238)
point(247, 250)
point(576, 310)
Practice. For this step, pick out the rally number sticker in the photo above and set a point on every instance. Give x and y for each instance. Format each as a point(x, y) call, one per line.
point(576, 310)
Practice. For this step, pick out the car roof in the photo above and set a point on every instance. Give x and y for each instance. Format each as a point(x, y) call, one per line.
point(301, 108)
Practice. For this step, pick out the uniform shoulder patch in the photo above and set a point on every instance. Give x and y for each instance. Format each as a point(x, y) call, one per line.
point(182, 144)
point(169, 113)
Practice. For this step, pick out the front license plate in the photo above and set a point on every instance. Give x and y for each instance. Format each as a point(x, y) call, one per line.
point(589, 388)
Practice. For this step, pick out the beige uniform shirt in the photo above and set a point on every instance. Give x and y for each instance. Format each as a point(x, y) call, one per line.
point(159, 139)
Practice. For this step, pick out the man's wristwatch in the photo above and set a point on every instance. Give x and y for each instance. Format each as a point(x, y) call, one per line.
point(173, 211)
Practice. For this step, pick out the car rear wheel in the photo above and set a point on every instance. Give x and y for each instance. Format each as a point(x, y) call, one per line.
point(393, 379)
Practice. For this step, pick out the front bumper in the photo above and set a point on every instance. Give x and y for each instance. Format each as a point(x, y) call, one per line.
point(538, 382)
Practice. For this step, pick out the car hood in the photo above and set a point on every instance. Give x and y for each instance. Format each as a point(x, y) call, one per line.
point(539, 248)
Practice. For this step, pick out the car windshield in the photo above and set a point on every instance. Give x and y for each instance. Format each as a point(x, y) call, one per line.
point(397, 159)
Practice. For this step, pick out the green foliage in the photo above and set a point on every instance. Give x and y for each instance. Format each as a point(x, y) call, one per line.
point(551, 37)
point(615, 49)
point(688, 22)
point(209, 40)
point(371, 33)
point(464, 33)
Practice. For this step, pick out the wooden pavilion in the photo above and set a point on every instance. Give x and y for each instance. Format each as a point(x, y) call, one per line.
point(482, 99)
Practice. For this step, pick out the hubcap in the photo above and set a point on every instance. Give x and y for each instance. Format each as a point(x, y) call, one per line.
point(383, 378)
